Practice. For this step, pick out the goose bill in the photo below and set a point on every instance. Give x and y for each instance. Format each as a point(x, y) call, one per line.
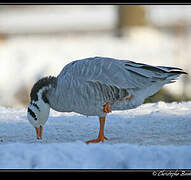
point(39, 132)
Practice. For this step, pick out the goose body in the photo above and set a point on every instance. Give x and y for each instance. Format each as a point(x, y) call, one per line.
point(87, 86)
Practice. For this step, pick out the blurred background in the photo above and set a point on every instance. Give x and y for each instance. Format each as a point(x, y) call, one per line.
point(39, 40)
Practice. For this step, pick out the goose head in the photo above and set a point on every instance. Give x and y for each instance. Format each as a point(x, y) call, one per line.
point(39, 107)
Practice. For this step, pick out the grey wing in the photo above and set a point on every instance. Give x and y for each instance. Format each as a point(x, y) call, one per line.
point(120, 73)
point(114, 78)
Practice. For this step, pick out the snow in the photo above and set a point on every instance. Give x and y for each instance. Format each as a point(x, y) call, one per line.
point(80, 156)
point(154, 135)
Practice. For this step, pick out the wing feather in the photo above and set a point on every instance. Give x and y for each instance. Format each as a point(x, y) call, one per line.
point(107, 71)
point(121, 73)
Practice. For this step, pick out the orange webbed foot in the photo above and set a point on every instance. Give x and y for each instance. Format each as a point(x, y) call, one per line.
point(97, 140)
point(101, 136)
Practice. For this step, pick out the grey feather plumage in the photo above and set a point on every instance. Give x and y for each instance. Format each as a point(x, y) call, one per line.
point(84, 86)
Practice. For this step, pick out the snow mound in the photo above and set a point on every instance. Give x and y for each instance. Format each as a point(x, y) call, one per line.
point(78, 155)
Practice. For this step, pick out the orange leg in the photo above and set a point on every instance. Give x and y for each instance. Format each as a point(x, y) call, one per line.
point(101, 136)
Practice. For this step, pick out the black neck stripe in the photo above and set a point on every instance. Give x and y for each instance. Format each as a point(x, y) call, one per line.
point(32, 113)
point(36, 106)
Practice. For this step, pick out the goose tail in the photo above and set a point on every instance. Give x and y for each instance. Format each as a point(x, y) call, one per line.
point(173, 74)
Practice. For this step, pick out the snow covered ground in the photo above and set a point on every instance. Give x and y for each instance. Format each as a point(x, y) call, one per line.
point(150, 136)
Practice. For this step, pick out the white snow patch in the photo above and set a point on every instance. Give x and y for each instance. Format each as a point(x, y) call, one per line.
point(150, 136)
point(78, 155)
